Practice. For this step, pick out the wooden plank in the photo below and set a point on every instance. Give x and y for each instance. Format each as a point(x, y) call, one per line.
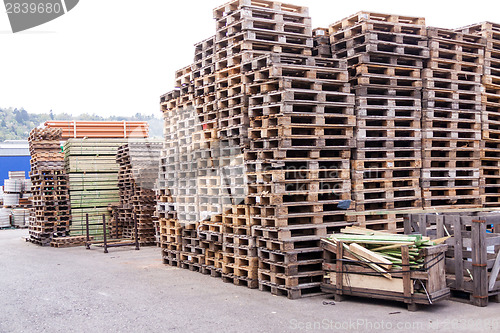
point(440, 226)
point(373, 282)
point(422, 224)
point(407, 285)
point(494, 273)
point(457, 247)
point(369, 255)
point(408, 224)
point(418, 211)
point(479, 258)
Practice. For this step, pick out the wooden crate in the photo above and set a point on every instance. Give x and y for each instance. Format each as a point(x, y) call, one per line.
point(412, 287)
point(473, 258)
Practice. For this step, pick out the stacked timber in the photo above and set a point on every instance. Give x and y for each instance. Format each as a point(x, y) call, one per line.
point(490, 144)
point(452, 120)
point(50, 215)
point(385, 55)
point(139, 162)
point(93, 181)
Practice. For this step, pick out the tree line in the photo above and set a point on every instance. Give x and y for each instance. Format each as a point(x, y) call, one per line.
point(16, 124)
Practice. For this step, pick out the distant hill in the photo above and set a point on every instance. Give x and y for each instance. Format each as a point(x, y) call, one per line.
point(16, 124)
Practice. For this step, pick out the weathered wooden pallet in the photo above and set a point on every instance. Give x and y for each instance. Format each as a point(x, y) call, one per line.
point(301, 291)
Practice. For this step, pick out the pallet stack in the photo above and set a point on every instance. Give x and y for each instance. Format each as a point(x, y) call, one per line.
point(302, 120)
point(452, 120)
point(253, 138)
point(490, 145)
point(93, 181)
point(139, 163)
point(275, 129)
point(322, 47)
point(50, 216)
point(385, 55)
point(177, 191)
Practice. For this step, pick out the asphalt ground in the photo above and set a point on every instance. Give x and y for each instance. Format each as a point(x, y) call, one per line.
point(78, 290)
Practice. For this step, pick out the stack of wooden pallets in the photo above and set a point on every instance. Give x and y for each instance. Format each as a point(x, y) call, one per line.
point(490, 144)
point(385, 55)
point(322, 46)
point(301, 129)
point(50, 215)
point(93, 181)
point(245, 30)
point(139, 161)
point(278, 135)
point(452, 120)
point(257, 152)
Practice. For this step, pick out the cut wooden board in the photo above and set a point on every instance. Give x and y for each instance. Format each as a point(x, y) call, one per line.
point(370, 255)
point(378, 283)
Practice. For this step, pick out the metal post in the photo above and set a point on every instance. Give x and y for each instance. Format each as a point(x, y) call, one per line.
point(87, 243)
point(136, 232)
point(104, 233)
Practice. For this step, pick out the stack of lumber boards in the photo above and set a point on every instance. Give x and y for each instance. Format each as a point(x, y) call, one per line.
point(473, 256)
point(366, 263)
point(50, 215)
point(93, 181)
point(139, 165)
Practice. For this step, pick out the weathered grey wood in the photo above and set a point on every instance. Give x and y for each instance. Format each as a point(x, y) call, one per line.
point(435, 249)
point(494, 273)
point(422, 225)
point(407, 224)
point(459, 268)
point(440, 226)
point(479, 269)
point(492, 240)
point(449, 224)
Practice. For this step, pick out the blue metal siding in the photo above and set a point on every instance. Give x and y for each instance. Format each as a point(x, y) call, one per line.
point(13, 163)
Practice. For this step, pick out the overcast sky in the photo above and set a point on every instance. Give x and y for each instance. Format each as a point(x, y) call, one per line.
point(116, 57)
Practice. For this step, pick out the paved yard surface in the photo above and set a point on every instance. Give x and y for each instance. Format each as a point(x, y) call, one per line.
point(74, 290)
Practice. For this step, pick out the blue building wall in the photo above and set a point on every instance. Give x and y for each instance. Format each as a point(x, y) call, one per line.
point(13, 163)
